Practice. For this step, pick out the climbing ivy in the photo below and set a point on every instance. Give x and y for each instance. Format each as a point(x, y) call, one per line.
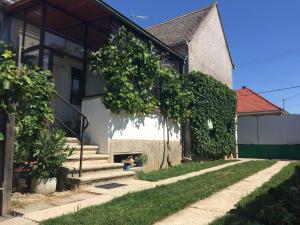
point(213, 115)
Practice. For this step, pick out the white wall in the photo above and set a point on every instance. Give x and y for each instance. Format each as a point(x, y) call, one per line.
point(128, 127)
point(269, 130)
point(105, 126)
point(97, 132)
point(208, 50)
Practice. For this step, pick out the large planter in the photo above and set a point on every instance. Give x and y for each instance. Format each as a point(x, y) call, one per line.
point(42, 186)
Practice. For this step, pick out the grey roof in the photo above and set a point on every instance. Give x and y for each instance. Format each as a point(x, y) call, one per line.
point(180, 29)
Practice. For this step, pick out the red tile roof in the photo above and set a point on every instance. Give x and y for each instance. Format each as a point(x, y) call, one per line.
point(250, 102)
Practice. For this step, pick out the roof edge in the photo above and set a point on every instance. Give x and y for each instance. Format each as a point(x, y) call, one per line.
point(139, 28)
point(281, 112)
point(211, 6)
point(123, 18)
point(179, 17)
point(254, 93)
point(226, 40)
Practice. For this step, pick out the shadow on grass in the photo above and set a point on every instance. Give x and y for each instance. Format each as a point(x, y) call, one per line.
point(275, 203)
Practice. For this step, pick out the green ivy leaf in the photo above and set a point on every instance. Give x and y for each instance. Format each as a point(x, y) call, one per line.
point(1, 137)
point(28, 80)
point(6, 84)
point(7, 54)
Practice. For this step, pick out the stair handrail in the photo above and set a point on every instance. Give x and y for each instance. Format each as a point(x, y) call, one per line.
point(84, 123)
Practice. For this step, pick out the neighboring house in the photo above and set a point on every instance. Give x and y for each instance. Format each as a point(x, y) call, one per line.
point(200, 37)
point(56, 35)
point(250, 103)
point(265, 130)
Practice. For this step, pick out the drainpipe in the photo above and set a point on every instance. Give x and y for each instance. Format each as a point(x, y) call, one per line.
point(186, 128)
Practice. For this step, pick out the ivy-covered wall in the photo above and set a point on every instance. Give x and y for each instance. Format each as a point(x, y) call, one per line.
point(137, 82)
point(212, 121)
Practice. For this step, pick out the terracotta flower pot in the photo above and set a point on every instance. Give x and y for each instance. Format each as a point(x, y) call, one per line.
point(42, 186)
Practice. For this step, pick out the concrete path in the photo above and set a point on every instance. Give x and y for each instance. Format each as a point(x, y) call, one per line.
point(104, 195)
point(207, 210)
point(18, 221)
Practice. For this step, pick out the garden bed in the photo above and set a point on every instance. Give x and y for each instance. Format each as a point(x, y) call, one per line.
point(180, 170)
point(277, 202)
point(149, 206)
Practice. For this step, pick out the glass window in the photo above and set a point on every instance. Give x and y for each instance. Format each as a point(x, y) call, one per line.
point(76, 84)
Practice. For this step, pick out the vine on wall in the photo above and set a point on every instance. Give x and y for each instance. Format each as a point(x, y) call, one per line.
point(137, 83)
point(213, 117)
point(129, 66)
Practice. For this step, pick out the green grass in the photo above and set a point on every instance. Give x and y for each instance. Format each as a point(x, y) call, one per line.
point(179, 170)
point(149, 206)
point(274, 203)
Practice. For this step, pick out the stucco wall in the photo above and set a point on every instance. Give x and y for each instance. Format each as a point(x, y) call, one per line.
point(269, 130)
point(208, 52)
point(127, 134)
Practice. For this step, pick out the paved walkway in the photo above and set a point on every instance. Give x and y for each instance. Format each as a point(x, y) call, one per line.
point(104, 195)
point(18, 221)
point(207, 210)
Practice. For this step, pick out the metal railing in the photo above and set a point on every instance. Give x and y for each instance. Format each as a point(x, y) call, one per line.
point(84, 123)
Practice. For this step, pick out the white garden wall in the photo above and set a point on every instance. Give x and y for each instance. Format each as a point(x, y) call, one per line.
point(269, 130)
point(105, 126)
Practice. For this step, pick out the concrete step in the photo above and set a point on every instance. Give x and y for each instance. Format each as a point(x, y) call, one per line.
point(95, 177)
point(85, 147)
point(93, 165)
point(88, 157)
point(73, 140)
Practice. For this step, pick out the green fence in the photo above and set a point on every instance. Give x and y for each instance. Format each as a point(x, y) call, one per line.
point(270, 151)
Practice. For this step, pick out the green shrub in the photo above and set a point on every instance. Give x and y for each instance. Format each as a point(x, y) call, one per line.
point(50, 153)
point(27, 91)
point(35, 112)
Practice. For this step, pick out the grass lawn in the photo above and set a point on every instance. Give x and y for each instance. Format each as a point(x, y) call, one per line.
point(179, 170)
point(149, 206)
point(274, 203)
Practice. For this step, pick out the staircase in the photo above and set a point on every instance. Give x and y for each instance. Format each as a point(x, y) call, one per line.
point(95, 167)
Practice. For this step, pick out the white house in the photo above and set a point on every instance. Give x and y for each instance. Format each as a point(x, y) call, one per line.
point(57, 34)
point(200, 36)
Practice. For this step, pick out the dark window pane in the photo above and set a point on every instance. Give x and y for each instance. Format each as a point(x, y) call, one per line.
point(76, 84)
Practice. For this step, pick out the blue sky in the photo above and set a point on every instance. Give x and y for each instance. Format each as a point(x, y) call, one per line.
point(263, 35)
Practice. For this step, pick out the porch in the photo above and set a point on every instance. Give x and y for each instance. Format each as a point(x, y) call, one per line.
point(58, 35)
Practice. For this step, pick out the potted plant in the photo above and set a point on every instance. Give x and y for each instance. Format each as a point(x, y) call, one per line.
point(50, 153)
point(141, 160)
point(128, 163)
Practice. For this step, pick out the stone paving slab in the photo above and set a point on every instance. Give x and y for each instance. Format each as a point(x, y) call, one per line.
point(132, 185)
point(207, 210)
point(18, 221)
point(66, 209)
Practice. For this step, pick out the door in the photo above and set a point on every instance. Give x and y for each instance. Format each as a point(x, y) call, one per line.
point(67, 74)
